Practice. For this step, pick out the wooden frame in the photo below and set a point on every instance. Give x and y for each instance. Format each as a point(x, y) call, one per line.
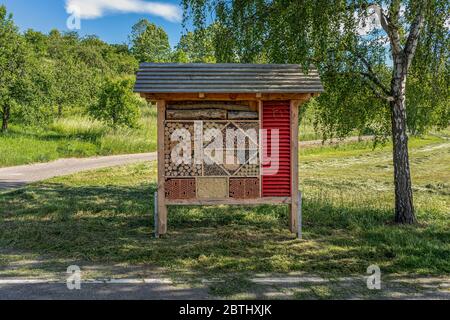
point(162, 207)
point(293, 201)
point(293, 216)
point(227, 96)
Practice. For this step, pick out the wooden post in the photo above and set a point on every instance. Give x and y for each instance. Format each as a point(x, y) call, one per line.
point(162, 208)
point(293, 214)
point(260, 143)
point(300, 218)
point(155, 214)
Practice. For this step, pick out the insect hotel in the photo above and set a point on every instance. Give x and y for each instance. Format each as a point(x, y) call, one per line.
point(227, 134)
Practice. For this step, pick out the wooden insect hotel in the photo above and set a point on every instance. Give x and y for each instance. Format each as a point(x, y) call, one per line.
point(227, 134)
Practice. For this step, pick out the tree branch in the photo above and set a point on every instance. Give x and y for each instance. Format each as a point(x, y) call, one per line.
point(389, 24)
point(376, 92)
point(413, 38)
point(370, 74)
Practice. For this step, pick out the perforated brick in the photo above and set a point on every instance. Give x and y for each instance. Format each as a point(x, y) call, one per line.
point(180, 189)
point(244, 188)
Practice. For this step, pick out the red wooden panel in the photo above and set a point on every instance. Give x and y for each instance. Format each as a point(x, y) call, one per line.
point(277, 183)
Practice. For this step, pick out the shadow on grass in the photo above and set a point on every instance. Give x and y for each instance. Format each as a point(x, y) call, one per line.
point(113, 225)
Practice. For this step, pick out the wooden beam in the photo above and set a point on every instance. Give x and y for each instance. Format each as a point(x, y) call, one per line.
point(293, 216)
point(225, 96)
point(162, 208)
point(210, 105)
point(199, 114)
point(242, 115)
point(260, 142)
point(230, 201)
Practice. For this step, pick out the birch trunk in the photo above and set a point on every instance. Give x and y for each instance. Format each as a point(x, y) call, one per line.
point(404, 208)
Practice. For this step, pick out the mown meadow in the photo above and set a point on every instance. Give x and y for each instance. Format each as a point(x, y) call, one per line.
point(104, 218)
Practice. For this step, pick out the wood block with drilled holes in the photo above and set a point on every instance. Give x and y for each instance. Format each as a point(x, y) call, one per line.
point(244, 188)
point(212, 188)
point(180, 189)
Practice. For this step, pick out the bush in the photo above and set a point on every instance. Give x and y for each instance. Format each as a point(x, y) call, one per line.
point(117, 104)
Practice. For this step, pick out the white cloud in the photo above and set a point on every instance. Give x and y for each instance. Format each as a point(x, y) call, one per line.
point(93, 9)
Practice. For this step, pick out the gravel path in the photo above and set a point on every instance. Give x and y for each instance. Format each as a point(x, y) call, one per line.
point(14, 177)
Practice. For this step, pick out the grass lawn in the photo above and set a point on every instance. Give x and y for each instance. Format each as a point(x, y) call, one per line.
point(75, 137)
point(104, 217)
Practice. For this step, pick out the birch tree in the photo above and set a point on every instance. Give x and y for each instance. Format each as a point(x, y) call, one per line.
point(371, 46)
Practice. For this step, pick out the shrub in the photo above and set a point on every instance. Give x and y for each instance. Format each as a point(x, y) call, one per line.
point(117, 104)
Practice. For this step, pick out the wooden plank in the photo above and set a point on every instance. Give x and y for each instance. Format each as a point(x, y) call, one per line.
point(293, 216)
point(226, 96)
point(162, 208)
point(203, 114)
point(224, 106)
point(242, 115)
point(218, 121)
point(260, 143)
point(231, 201)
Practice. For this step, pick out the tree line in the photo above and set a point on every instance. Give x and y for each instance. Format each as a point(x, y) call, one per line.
point(46, 76)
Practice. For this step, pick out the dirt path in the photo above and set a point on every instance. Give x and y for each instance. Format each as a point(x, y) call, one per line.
point(14, 177)
point(334, 141)
point(276, 287)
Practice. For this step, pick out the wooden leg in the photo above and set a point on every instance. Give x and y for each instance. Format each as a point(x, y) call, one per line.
point(155, 215)
point(162, 208)
point(162, 216)
point(300, 218)
point(293, 216)
point(293, 212)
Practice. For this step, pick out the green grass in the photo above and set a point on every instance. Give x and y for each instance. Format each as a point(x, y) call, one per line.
point(75, 137)
point(105, 217)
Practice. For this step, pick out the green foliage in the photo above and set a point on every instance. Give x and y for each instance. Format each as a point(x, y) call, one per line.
point(13, 62)
point(334, 36)
point(117, 104)
point(196, 47)
point(45, 76)
point(428, 99)
point(347, 106)
point(149, 43)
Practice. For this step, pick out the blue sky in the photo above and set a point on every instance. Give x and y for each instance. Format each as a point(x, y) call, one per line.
point(111, 20)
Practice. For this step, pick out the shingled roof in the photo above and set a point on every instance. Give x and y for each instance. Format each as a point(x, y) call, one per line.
point(226, 78)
